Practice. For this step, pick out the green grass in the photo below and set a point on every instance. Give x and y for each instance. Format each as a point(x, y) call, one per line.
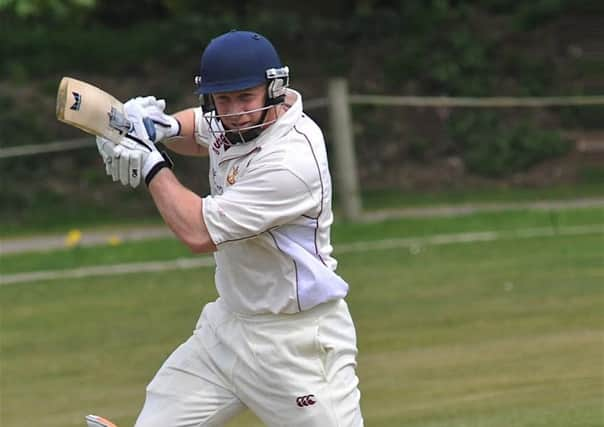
point(503, 333)
point(136, 209)
point(391, 199)
point(342, 233)
point(59, 216)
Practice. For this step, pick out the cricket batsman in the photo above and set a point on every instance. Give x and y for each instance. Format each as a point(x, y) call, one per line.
point(279, 339)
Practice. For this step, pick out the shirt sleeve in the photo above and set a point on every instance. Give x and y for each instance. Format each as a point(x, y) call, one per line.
point(202, 132)
point(259, 202)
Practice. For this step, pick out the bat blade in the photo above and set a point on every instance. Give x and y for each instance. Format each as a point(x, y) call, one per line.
point(91, 109)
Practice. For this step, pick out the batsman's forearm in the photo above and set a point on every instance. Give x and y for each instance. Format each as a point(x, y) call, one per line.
point(185, 144)
point(181, 210)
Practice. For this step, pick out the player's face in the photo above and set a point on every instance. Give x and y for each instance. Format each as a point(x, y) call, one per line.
point(238, 108)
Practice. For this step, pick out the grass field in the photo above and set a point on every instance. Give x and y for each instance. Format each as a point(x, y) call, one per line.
point(506, 332)
point(38, 219)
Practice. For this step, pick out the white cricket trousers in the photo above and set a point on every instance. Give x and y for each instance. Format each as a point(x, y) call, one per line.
point(295, 370)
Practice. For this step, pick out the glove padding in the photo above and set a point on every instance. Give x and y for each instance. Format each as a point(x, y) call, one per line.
point(135, 155)
point(166, 126)
point(129, 161)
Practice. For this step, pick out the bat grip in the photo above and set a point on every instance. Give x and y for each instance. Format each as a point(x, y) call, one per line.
point(150, 127)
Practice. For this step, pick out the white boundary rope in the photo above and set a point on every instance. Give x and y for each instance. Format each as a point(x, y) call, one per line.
point(414, 244)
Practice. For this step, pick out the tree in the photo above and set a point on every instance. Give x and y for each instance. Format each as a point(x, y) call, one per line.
point(56, 9)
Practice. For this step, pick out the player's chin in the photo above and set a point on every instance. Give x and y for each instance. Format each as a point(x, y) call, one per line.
point(238, 127)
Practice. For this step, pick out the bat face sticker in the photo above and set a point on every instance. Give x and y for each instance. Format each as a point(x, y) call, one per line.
point(119, 122)
point(77, 101)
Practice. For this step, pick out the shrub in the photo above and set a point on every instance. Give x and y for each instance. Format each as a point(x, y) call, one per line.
point(494, 146)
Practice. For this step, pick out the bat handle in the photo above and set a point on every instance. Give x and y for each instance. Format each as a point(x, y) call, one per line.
point(150, 127)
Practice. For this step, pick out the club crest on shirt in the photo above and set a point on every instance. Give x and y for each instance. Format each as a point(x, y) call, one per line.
point(219, 142)
point(232, 176)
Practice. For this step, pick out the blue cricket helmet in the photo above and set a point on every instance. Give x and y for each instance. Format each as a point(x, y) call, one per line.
point(236, 60)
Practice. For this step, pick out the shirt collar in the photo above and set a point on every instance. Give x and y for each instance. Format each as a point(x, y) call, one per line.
point(284, 123)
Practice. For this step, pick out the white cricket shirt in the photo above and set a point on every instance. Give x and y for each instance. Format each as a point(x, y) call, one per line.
point(269, 213)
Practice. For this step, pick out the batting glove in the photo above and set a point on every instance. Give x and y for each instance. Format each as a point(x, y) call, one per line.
point(166, 126)
point(132, 159)
point(105, 153)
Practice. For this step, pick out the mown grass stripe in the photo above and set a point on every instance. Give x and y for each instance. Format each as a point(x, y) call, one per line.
point(206, 261)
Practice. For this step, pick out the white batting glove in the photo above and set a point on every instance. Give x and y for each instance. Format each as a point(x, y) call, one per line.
point(143, 127)
point(166, 126)
point(136, 155)
point(131, 160)
point(104, 152)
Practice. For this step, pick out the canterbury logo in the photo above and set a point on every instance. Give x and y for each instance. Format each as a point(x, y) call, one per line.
point(77, 101)
point(308, 400)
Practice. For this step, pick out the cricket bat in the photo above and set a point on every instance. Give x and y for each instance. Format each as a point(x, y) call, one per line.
point(93, 110)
